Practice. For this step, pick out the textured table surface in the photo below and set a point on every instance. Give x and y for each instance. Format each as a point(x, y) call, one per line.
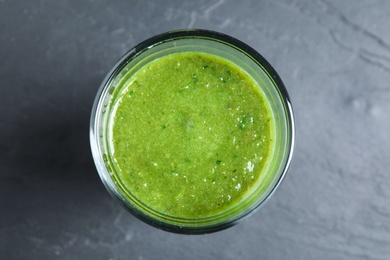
point(334, 57)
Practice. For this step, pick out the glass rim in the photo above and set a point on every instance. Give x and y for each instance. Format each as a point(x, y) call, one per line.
point(148, 44)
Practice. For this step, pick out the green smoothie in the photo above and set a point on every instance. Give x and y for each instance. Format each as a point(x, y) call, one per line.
point(190, 135)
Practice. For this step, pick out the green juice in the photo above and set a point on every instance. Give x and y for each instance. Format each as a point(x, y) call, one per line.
point(190, 135)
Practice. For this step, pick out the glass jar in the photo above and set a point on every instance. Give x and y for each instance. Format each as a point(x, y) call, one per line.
point(209, 42)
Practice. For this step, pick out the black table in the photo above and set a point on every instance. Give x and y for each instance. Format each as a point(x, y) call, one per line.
point(334, 57)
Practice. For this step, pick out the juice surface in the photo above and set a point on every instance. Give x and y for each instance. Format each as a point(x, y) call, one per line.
point(190, 135)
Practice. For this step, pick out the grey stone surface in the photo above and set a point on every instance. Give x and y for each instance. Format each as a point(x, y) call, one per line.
point(334, 57)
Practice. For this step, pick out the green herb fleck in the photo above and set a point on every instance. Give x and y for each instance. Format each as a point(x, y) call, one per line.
point(246, 121)
point(195, 78)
